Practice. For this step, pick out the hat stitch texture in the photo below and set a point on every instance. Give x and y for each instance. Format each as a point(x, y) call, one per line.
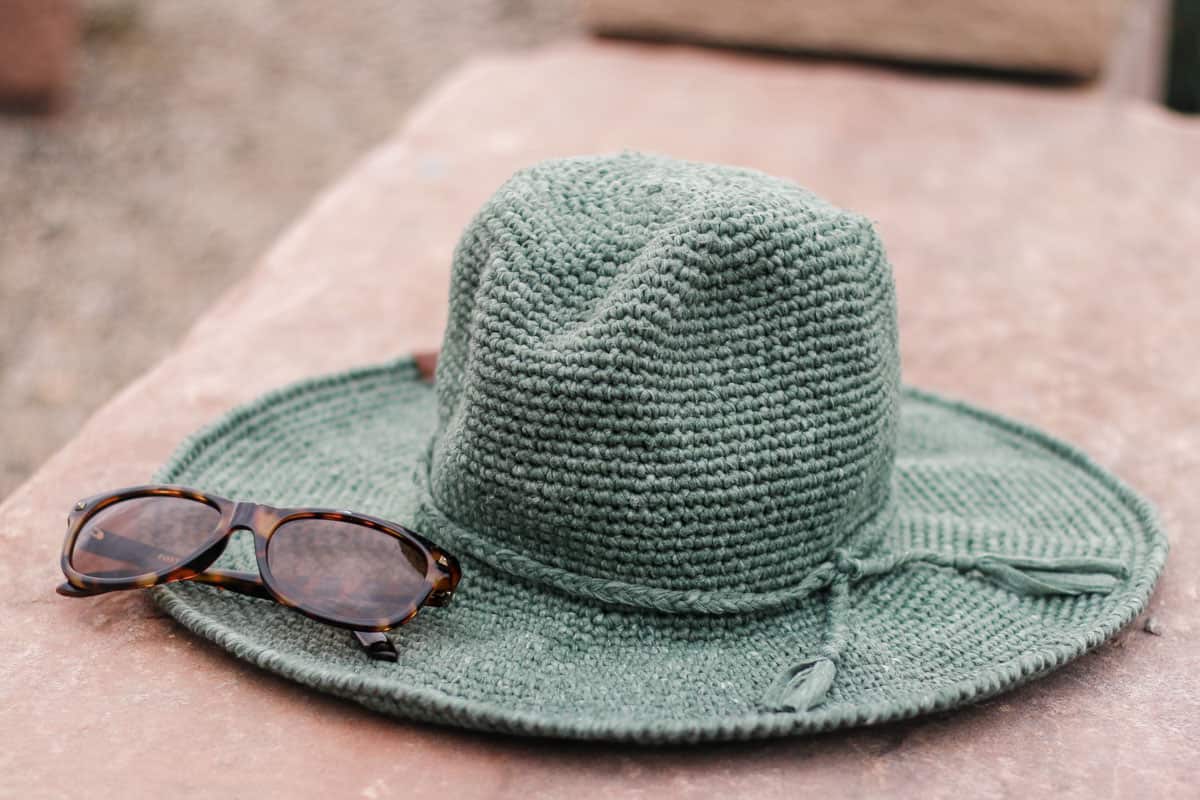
point(667, 374)
point(692, 502)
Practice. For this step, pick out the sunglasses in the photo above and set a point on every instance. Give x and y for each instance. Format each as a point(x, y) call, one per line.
point(348, 570)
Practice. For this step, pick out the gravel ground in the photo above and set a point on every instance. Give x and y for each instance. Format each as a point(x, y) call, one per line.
point(198, 131)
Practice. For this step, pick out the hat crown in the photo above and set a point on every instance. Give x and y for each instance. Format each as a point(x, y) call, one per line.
point(666, 373)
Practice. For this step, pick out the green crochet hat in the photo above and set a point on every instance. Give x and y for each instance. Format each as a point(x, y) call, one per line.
point(692, 501)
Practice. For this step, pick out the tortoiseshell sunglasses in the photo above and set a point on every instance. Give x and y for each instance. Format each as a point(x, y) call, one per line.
point(337, 567)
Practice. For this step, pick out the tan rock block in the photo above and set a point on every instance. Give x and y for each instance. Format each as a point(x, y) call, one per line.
point(1071, 37)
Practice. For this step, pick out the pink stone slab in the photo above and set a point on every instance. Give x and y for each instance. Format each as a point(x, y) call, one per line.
point(38, 43)
point(1045, 244)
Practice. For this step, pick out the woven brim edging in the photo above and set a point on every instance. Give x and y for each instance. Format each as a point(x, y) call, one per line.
point(194, 607)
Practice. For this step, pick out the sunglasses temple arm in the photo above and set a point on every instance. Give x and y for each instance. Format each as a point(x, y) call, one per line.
point(136, 552)
point(376, 645)
point(123, 548)
point(248, 583)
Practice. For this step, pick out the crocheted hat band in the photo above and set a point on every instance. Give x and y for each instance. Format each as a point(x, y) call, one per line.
point(440, 524)
point(1021, 575)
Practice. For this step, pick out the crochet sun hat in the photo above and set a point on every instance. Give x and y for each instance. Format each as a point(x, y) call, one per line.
point(669, 444)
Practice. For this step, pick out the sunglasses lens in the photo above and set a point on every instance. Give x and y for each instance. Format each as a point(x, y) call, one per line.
point(142, 536)
point(346, 571)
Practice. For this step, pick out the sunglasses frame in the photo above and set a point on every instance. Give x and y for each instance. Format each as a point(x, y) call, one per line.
point(442, 571)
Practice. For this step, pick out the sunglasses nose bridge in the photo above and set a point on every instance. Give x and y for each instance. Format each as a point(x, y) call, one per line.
point(251, 516)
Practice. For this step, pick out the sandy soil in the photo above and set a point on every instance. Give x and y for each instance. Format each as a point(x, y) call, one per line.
point(198, 131)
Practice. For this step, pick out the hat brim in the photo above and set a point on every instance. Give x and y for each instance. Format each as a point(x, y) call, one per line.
point(511, 656)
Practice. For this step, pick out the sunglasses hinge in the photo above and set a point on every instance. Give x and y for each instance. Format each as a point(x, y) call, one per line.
point(440, 598)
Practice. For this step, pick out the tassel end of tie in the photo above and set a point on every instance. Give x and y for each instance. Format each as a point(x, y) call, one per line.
point(1051, 576)
point(802, 686)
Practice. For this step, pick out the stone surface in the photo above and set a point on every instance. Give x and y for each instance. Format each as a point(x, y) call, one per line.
point(37, 51)
point(1044, 243)
point(1070, 37)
